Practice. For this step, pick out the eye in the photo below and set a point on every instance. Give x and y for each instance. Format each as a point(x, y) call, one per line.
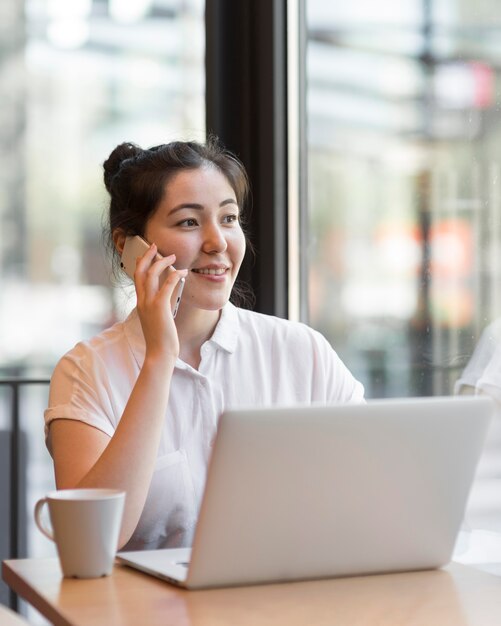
point(189, 221)
point(230, 219)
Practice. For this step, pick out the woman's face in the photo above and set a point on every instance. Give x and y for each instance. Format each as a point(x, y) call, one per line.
point(198, 221)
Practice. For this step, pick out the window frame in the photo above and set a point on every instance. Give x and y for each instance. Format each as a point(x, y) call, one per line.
point(249, 106)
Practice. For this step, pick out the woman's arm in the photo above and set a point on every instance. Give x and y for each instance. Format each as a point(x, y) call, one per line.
point(86, 457)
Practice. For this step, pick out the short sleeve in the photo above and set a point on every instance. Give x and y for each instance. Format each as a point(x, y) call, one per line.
point(332, 380)
point(80, 390)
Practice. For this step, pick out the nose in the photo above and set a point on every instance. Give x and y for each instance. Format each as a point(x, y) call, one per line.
point(214, 240)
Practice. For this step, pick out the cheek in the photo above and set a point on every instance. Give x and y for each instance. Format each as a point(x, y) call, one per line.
point(183, 250)
point(238, 245)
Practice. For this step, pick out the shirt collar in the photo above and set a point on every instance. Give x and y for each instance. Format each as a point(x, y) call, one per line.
point(225, 334)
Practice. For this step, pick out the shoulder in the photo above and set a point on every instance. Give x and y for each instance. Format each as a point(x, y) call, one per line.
point(272, 323)
point(272, 328)
point(299, 355)
point(106, 347)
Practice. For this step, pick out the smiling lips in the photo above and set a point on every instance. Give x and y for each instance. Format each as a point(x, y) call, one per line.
point(211, 271)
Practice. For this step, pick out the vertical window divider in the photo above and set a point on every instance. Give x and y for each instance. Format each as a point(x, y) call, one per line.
point(246, 107)
point(297, 160)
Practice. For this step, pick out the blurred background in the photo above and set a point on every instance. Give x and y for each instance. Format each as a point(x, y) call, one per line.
point(401, 251)
point(404, 203)
point(76, 79)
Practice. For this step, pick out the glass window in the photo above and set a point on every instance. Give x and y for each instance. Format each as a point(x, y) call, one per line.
point(403, 243)
point(404, 207)
point(77, 79)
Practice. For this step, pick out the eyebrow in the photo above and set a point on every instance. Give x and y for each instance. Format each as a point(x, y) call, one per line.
point(200, 207)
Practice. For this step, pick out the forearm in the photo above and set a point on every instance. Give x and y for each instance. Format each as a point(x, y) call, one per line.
point(127, 461)
point(86, 457)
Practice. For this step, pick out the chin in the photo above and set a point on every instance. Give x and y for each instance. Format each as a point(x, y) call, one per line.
point(207, 300)
point(211, 304)
point(215, 306)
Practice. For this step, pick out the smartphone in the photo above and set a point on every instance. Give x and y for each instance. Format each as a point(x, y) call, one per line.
point(135, 247)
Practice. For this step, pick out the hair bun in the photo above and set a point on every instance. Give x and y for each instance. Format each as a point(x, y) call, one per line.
point(114, 162)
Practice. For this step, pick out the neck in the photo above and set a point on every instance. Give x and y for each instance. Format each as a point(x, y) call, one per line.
point(194, 328)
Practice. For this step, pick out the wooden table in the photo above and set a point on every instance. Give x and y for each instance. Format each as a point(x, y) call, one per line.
point(455, 596)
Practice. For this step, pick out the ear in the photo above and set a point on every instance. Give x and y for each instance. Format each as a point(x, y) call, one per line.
point(119, 240)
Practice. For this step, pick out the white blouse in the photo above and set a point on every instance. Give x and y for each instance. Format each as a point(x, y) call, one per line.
point(251, 360)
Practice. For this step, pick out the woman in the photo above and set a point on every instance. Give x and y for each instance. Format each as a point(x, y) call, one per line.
point(136, 407)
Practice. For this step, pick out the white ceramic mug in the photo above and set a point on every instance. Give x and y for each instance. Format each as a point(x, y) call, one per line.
point(86, 526)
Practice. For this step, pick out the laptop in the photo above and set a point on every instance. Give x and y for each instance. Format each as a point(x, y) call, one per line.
point(325, 491)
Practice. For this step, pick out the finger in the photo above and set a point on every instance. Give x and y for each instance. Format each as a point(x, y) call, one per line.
point(146, 274)
point(171, 285)
point(173, 278)
point(147, 258)
point(143, 263)
point(171, 281)
point(155, 272)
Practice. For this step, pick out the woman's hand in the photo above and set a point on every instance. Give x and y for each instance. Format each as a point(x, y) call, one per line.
point(154, 302)
point(86, 457)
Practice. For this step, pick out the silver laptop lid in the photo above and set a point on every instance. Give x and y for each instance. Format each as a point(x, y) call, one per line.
point(308, 492)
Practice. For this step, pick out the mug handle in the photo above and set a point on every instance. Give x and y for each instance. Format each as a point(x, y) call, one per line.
point(43, 529)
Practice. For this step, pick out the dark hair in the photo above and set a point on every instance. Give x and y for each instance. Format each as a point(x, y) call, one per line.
point(136, 179)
